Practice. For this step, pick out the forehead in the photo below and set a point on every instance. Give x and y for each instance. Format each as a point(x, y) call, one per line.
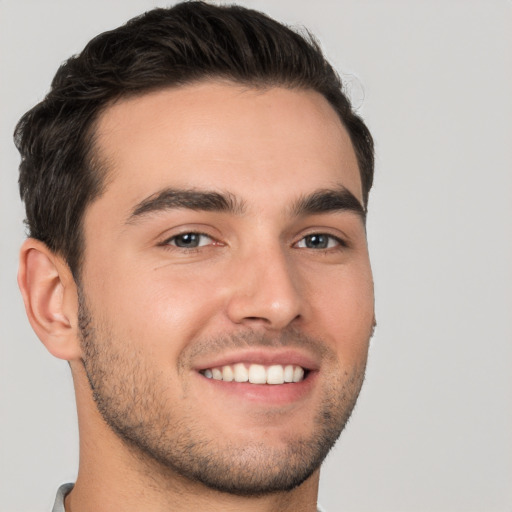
point(227, 137)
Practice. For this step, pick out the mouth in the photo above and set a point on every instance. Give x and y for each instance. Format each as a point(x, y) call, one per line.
point(260, 377)
point(254, 373)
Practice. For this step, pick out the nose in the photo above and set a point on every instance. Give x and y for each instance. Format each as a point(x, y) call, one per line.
point(265, 291)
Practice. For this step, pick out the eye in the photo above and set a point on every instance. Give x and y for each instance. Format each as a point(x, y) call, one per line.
point(319, 241)
point(189, 240)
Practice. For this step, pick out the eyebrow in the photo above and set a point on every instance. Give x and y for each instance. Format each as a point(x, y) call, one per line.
point(338, 199)
point(320, 201)
point(192, 199)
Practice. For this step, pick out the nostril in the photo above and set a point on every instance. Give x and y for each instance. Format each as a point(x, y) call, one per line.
point(256, 320)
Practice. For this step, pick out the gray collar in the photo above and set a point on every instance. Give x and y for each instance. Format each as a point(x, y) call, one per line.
point(58, 506)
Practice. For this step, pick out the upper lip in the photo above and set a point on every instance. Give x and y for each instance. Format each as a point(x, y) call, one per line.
point(261, 356)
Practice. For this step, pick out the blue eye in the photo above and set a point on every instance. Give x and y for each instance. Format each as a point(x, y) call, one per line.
point(319, 241)
point(189, 240)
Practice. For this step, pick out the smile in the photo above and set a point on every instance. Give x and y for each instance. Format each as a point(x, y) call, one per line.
point(257, 373)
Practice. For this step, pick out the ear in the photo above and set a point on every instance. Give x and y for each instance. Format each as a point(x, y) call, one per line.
point(51, 300)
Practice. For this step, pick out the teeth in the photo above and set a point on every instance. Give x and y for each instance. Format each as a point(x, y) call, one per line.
point(227, 374)
point(256, 373)
point(275, 374)
point(240, 372)
point(298, 374)
point(288, 373)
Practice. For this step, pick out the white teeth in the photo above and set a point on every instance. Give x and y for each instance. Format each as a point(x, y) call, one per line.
point(298, 374)
point(256, 373)
point(227, 374)
point(275, 374)
point(240, 372)
point(288, 373)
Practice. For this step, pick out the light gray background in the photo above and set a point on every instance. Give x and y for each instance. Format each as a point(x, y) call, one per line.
point(433, 427)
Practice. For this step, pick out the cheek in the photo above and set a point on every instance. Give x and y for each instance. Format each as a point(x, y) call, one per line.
point(162, 308)
point(344, 305)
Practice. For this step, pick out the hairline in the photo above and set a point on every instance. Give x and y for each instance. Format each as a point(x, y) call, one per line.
point(102, 168)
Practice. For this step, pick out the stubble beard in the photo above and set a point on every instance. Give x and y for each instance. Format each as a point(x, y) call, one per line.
point(132, 401)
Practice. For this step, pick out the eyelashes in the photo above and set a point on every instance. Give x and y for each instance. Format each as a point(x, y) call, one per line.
point(320, 241)
point(194, 240)
point(191, 240)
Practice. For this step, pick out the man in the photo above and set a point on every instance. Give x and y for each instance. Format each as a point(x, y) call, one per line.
point(196, 187)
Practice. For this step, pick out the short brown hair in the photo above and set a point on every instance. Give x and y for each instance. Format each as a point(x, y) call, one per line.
point(188, 42)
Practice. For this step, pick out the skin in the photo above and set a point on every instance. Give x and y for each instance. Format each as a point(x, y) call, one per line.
point(252, 291)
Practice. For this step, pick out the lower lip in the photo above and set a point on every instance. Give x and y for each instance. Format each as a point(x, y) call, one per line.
point(265, 394)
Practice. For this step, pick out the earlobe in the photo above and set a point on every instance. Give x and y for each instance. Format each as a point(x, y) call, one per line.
point(50, 297)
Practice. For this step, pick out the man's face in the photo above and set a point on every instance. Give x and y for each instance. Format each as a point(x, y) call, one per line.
point(227, 245)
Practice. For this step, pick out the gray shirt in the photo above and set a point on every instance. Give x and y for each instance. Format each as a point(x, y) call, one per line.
point(58, 506)
point(64, 489)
